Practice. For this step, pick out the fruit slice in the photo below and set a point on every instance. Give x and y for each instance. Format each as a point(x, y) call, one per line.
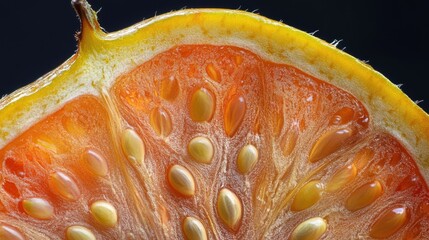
point(211, 124)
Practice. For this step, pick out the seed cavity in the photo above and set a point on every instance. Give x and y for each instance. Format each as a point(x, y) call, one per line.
point(201, 150)
point(389, 223)
point(329, 142)
point(229, 208)
point(310, 229)
point(363, 157)
point(133, 146)
point(247, 158)
point(104, 213)
point(79, 233)
point(181, 180)
point(234, 114)
point(213, 72)
point(342, 116)
point(96, 163)
point(38, 208)
point(160, 121)
point(8, 232)
point(63, 185)
point(364, 196)
point(193, 229)
point(307, 196)
point(341, 178)
point(202, 105)
point(169, 88)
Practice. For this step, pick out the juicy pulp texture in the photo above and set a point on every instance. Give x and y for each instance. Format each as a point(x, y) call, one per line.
point(211, 142)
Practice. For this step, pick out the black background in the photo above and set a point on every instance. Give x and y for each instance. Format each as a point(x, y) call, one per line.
point(37, 36)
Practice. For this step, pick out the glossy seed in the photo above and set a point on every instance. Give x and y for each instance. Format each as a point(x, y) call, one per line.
point(364, 196)
point(310, 229)
point(341, 178)
point(193, 229)
point(169, 88)
point(247, 158)
point(8, 232)
point(213, 72)
point(234, 114)
point(181, 180)
point(79, 233)
point(38, 208)
point(307, 196)
point(201, 150)
point(160, 121)
point(229, 208)
point(202, 105)
point(133, 146)
point(96, 163)
point(104, 213)
point(63, 185)
point(329, 142)
point(389, 223)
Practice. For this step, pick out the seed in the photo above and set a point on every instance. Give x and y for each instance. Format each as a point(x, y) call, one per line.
point(181, 180)
point(364, 196)
point(133, 146)
point(73, 127)
point(362, 158)
point(160, 121)
point(288, 142)
point(389, 223)
point(38, 208)
point(96, 163)
point(307, 196)
point(8, 232)
point(341, 178)
point(169, 88)
point(310, 229)
point(247, 159)
point(234, 114)
point(343, 116)
point(63, 185)
point(213, 72)
point(79, 233)
point(329, 142)
point(104, 213)
point(229, 208)
point(194, 229)
point(201, 150)
point(202, 105)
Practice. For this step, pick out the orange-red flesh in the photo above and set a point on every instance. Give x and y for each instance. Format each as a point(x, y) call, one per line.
point(304, 129)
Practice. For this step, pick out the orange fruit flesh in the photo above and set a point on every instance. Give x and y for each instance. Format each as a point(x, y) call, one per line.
point(318, 156)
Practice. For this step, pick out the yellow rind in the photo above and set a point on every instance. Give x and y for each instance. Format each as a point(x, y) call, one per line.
point(102, 57)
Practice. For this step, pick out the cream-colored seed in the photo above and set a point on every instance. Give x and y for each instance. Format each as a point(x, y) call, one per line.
point(181, 180)
point(38, 208)
point(160, 121)
point(63, 185)
point(133, 146)
point(96, 163)
point(79, 233)
point(193, 229)
point(201, 150)
point(310, 229)
point(202, 105)
point(229, 208)
point(8, 232)
point(104, 213)
point(247, 158)
point(307, 196)
point(329, 142)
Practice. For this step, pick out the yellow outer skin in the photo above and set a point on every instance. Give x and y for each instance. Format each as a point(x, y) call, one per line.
point(102, 57)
